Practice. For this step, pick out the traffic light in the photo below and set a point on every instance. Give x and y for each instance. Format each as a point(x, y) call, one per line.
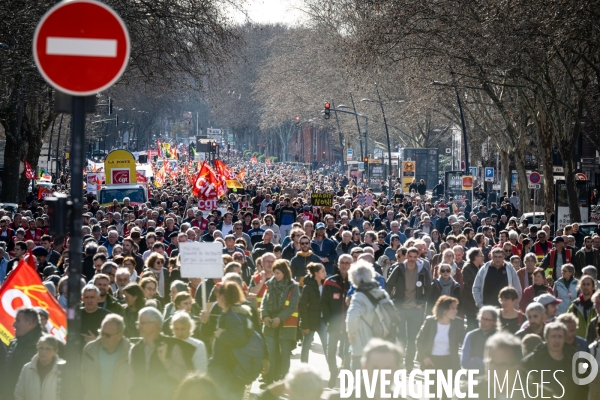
point(366, 161)
point(327, 110)
point(58, 213)
point(110, 108)
point(213, 147)
point(228, 146)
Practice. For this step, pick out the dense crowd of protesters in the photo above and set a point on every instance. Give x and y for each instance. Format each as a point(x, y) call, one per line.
point(470, 288)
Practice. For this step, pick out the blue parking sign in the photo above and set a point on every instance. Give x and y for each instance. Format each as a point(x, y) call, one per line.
point(489, 174)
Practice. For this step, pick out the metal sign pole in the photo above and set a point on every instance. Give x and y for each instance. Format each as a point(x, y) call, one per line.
point(75, 237)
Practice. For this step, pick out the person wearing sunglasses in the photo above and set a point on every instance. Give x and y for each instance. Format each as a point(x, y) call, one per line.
point(300, 261)
point(444, 284)
point(110, 344)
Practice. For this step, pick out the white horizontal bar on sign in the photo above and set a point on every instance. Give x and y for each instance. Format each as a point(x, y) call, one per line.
point(61, 46)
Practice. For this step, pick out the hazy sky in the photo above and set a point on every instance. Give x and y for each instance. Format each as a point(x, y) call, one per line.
point(271, 11)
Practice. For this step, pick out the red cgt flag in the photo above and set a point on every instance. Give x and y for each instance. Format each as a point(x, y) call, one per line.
point(44, 192)
point(29, 172)
point(24, 287)
point(205, 184)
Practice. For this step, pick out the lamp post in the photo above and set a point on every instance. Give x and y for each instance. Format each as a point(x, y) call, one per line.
point(387, 134)
point(342, 109)
point(462, 116)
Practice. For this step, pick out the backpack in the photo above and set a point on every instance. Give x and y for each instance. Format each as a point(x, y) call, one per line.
point(387, 321)
point(249, 357)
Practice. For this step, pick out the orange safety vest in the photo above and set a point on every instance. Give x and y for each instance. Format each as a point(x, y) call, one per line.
point(292, 320)
point(550, 269)
point(539, 253)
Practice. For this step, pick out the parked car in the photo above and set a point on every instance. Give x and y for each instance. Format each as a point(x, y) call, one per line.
point(588, 228)
point(539, 217)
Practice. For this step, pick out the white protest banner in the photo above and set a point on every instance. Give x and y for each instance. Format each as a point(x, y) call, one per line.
point(201, 260)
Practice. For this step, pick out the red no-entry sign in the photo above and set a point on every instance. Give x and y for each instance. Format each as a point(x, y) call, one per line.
point(81, 47)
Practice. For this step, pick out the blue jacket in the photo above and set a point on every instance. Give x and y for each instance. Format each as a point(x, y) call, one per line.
point(326, 248)
point(3, 267)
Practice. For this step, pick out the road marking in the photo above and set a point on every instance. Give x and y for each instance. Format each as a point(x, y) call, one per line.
point(81, 47)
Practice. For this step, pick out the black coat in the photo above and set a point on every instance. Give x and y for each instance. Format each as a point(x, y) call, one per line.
point(20, 351)
point(333, 303)
point(427, 334)
point(237, 329)
point(436, 292)
point(309, 307)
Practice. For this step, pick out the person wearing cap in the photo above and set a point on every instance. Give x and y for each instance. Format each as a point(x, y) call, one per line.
point(550, 304)
point(555, 258)
point(40, 254)
point(324, 248)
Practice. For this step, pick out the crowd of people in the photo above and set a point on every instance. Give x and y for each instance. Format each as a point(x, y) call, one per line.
point(412, 281)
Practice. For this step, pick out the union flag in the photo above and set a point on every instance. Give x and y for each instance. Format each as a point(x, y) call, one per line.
point(205, 184)
point(24, 287)
point(44, 192)
point(29, 172)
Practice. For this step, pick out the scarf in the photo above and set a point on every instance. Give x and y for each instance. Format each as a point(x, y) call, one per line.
point(277, 295)
point(585, 304)
point(446, 286)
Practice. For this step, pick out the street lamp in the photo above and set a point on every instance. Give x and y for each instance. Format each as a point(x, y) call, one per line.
point(462, 116)
point(387, 134)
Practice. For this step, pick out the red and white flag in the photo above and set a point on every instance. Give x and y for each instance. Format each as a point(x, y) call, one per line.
point(205, 184)
point(29, 172)
point(24, 287)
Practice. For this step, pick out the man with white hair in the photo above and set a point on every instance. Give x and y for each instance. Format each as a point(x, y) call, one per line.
point(111, 241)
point(303, 382)
point(158, 362)
point(266, 246)
point(362, 320)
point(91, 315)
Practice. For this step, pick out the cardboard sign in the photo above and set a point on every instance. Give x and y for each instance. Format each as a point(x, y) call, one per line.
point(201, 260)
point(322, 199)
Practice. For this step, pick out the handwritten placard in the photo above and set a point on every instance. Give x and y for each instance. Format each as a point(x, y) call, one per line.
point(322, 199)
point(201, 260)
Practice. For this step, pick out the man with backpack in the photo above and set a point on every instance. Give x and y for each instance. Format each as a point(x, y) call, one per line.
point(367, 317)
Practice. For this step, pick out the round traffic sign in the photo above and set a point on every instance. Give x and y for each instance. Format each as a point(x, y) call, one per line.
point(581, 177)
point(81, 47)
point(534, 178)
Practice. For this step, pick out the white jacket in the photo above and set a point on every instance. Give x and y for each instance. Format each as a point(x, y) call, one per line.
point(511, 274)
point(29, 386)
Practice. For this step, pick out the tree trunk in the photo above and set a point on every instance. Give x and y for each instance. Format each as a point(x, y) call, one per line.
point(11, 175)
point(505, 165)
point(524, 192)
point(569, 165)
point(545, 148)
